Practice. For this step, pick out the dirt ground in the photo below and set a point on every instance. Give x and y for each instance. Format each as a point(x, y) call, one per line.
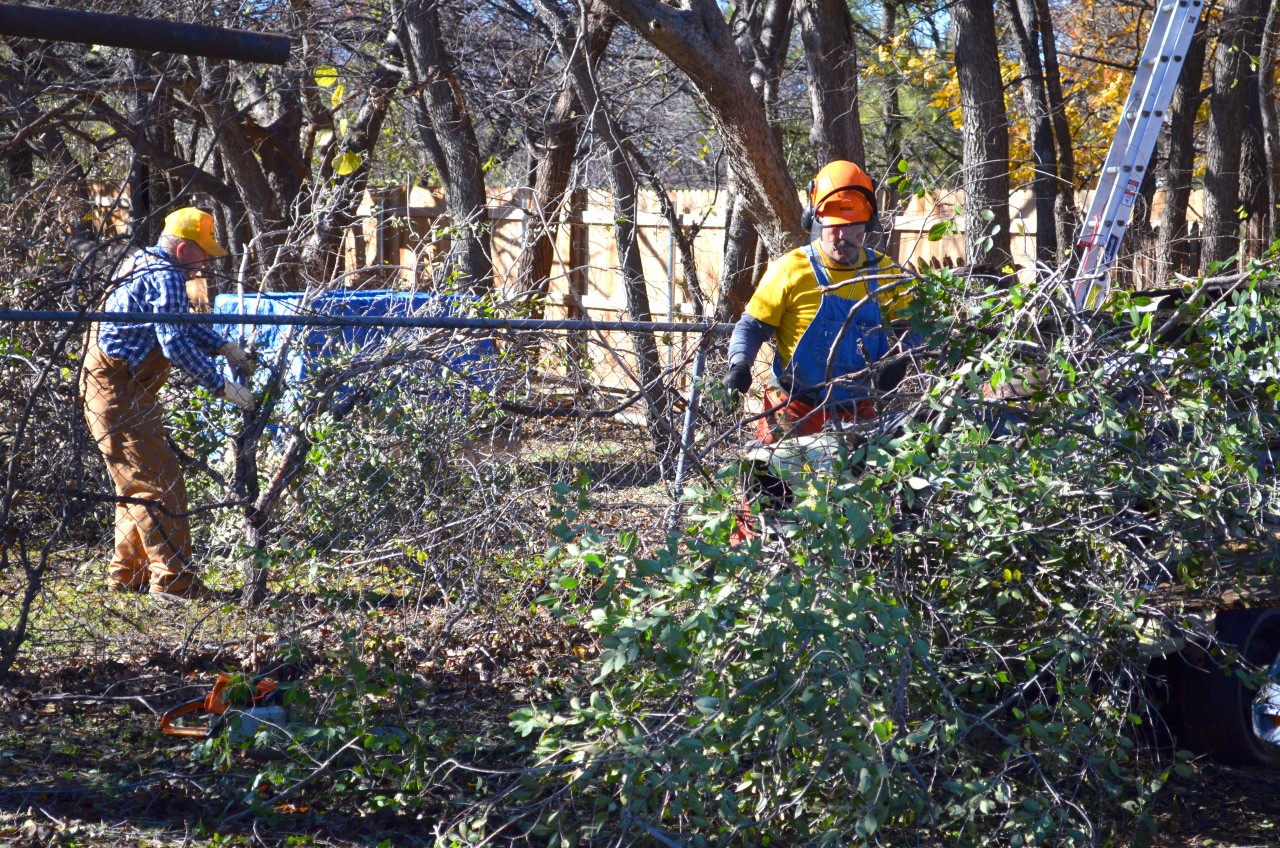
point(1221, 807)
point(98, 773)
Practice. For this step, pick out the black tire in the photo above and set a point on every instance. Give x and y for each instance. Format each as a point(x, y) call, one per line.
point(1216, 714)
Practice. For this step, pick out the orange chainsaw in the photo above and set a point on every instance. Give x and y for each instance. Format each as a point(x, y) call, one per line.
point(262, 694)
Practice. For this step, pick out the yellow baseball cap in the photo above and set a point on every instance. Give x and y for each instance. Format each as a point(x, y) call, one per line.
point(194, 225)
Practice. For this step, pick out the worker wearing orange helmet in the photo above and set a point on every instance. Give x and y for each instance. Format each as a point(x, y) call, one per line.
point(824, 304)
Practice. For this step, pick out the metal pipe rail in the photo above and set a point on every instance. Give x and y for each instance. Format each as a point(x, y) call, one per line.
point(431, 322)
point(156, 36)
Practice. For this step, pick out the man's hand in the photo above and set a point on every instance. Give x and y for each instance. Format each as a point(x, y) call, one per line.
point(233, 392)
point(738, 380)
point(241, 362)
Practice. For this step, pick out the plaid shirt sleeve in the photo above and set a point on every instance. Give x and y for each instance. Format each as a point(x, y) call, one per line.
point(188, 346)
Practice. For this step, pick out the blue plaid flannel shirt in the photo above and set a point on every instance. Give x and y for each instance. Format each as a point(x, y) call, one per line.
point(155, 284)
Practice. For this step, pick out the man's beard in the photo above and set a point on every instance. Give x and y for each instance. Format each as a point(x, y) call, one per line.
point(845, 250)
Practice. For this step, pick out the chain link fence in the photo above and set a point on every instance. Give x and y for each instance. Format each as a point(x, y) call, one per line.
point(409, 460)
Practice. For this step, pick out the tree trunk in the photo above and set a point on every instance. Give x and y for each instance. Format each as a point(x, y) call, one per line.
point(1173, 243)
point(336, 213)
point(447, 130)
point(549, 197)
point(238, 154)
point(1064, 205)
point(1240, 25)
point(891, 117)
point(985, 133)
point(738, 269)
point(1254, 178)
point(1142, 239)
point(761, 34)
point(697, 39)
point(1270, 126)
point(1035, 99)
point(626, 205)
point(831, 56)
point(139, 179)
point(551, 180)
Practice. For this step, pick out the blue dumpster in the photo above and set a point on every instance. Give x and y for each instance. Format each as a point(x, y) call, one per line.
point(470, 362)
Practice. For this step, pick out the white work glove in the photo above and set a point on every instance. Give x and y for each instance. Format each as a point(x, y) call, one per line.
point(241, 362)
point(233, 392)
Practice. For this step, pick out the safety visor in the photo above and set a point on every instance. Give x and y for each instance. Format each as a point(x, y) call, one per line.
point(845, 208)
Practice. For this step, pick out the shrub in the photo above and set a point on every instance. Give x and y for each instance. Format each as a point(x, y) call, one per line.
point(936, 643)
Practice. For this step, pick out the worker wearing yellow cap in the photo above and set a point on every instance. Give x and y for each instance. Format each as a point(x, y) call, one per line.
point(126, 365)
point(826, 305)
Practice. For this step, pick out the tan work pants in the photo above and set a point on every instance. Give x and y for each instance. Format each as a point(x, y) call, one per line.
point(122, 408)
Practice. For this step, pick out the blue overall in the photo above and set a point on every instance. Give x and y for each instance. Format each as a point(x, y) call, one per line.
point(806, 374)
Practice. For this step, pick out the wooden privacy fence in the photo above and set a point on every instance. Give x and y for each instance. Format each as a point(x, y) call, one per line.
point(402, 235)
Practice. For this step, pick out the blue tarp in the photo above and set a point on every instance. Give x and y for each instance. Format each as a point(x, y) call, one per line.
point(470, 359)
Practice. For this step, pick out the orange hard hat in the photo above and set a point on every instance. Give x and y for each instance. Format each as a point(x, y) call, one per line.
point(843, 193)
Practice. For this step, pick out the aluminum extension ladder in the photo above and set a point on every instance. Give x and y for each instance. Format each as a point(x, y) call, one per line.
point(1126, 164)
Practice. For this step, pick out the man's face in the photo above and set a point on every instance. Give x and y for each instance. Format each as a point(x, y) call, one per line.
point(191, 257)
point(842, 243)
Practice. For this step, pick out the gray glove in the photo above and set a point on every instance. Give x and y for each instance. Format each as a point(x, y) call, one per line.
point(233, 392)
point(738, 380)
point(241, 362)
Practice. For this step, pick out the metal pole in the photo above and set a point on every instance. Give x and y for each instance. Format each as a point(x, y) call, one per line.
point(686, 438)
point(671, 286)
point(148, 34)
point(436, 322)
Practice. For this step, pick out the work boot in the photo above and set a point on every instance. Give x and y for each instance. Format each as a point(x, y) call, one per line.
point(121, 579)
point(183, 588)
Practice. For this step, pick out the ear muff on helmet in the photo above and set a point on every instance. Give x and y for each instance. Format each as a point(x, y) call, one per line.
point(806, 217)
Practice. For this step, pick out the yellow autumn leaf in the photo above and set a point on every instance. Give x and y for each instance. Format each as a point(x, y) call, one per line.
point(326, 75)
point(338, 91)
point(346, 163)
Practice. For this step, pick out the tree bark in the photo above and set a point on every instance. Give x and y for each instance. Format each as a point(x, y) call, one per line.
point(762, 33)
point(738, 268)
point(1227, 96)
point(985, 133)
point(551, 179)
point(697, 39)
point(140, 180)
point(1254, 178)
point(446, 128)
point(548, 199)
point(1270, 126)
point(892, 119)
point(336, 212)
point(1064, 205)
point(1035, 99)
point(1173, 243)
point(830, 54)
point(626, 205)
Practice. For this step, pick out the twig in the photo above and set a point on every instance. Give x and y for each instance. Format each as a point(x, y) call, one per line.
point(287, 793)
point(98, 698)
